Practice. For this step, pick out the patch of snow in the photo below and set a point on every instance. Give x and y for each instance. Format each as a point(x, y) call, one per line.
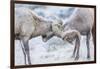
point(54, 50)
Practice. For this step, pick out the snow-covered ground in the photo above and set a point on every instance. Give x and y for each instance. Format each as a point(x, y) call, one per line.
point(53, 51)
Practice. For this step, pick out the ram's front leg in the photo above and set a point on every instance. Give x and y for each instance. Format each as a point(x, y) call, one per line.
point(77, 45)
point(77, 48)
point(26, 49)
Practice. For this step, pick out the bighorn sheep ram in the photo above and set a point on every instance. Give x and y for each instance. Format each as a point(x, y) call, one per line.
point(29, 25)
point(82, 21)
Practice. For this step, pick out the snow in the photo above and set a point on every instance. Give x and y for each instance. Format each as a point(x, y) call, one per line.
point(54, 50)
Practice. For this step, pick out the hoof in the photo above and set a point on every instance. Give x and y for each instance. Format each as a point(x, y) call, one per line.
point(25, 63)
point(77, 57)
point(88, 57)
point(72, 56)
point(29, 63)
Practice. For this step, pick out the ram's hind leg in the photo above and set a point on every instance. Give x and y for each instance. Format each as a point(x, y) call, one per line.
point(88, 44)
